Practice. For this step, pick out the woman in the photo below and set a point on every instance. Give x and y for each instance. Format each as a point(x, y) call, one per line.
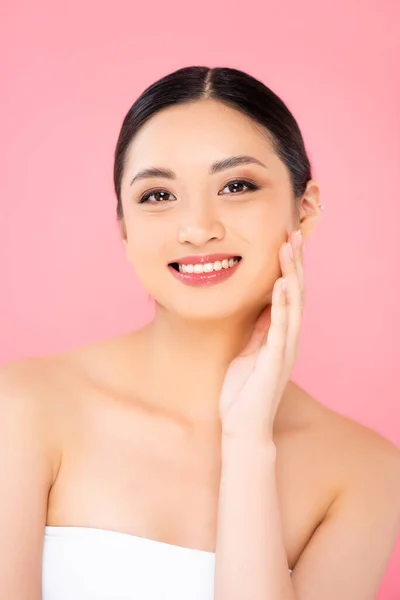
point(179, 461)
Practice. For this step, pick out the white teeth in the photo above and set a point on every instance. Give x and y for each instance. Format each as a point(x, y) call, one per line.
point(208, 267)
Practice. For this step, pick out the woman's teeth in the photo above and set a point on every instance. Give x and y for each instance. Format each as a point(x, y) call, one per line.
point(208, 267)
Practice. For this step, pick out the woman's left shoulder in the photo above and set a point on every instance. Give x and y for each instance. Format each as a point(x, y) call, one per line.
point(354, 449)
point(353, 473)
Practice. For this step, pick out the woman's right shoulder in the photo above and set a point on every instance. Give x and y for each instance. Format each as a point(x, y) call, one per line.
point(43, 388)
point(26, 384)
point(33, 382)
point(30, 457)
point(39, 398)
point(42, 381)
point(31, 394)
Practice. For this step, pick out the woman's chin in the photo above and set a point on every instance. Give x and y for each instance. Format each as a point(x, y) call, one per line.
point(215, 309)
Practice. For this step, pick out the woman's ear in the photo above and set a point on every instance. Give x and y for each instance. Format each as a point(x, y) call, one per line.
point(309, 209)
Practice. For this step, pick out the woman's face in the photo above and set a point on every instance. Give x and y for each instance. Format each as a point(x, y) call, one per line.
point(201, 208)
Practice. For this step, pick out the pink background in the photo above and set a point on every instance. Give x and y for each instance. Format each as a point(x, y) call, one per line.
point(73, 70)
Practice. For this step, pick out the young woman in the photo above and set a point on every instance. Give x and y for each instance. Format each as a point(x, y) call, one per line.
point(180, 461)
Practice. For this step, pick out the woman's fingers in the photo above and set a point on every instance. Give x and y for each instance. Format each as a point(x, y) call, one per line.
point(298, 256)
point(292, 268)
point(279, 324)
point(279, 352)
point(271, 356)
point(259, 332)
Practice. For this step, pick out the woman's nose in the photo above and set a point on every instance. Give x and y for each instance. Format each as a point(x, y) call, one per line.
point(199, 227)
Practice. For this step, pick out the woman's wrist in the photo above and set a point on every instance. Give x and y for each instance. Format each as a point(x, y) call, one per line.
point(251, 448)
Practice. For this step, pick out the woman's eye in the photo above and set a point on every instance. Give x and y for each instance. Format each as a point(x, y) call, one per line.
point(238, 186)
point(156, 197)
point(234, 187)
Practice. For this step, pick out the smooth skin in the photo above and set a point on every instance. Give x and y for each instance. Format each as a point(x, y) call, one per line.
point(189, 431)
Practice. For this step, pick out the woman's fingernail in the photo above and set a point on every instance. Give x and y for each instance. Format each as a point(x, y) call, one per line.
point(289, 249)
point(298, 238)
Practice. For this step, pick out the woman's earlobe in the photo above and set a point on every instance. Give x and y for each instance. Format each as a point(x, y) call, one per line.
point(309, 218)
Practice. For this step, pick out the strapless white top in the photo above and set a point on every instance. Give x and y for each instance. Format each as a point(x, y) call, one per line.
point(82, 563)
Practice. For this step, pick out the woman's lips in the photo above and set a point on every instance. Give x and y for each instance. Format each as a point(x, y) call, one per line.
point(218, 268)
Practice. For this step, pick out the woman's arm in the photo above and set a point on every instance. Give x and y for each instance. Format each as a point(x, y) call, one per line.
point(346, 557)
point(25, 479)
point(251, 562)
point(250, 555)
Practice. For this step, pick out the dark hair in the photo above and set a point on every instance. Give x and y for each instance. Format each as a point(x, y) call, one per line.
point(233, 88)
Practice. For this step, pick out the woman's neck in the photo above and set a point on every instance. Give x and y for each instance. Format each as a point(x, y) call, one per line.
point(187, 361)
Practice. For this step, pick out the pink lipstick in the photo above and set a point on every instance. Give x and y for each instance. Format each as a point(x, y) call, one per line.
point(209, 269)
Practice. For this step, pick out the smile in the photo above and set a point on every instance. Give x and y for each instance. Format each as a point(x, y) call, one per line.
point(204, 270)
point(226, 263)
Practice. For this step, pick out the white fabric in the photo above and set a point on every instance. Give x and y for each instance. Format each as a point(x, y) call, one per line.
point(82, 563)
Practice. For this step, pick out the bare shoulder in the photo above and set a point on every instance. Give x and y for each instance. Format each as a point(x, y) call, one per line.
point(38, 386)
point(29, 462)
point(353, 453)
point(360, 522)
point(35, 380)
point(25, 383)
point(22, 374)
point(40, 398)
point(42, 375)
point(54, 385)
point(30, 394)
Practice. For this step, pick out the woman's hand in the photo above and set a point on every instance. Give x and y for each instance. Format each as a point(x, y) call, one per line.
point(257, 377)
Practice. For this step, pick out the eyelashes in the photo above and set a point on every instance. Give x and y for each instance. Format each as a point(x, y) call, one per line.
point(163, 194)
point(238, 182)
point(146, 197)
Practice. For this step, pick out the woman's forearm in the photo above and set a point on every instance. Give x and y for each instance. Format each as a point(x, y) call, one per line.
point(251, 562)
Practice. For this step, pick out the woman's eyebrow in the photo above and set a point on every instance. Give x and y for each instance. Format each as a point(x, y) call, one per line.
point(216, 167)
point(234, 161)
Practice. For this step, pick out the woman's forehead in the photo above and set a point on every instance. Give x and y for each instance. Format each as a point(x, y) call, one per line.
point(200, 132)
